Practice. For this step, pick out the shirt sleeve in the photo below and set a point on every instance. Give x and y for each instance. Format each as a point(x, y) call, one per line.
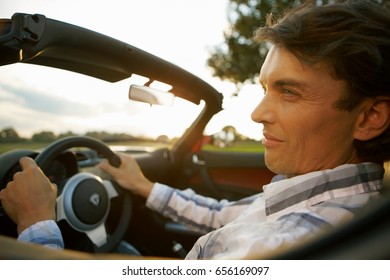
point(46, 233)
point(198, 213)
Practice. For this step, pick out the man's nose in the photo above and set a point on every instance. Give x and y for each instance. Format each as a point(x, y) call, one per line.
point(265, 111)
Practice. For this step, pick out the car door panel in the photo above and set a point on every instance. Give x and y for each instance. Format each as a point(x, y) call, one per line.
point(230, 175)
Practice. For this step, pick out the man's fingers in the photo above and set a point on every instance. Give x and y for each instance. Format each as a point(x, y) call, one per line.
point(54, 187)
point(106, 166)
point(26, 162)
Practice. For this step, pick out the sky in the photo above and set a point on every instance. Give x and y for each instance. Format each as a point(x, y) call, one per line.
point(180, 31)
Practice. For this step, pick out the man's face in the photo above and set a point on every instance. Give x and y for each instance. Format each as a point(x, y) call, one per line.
point(303, 130)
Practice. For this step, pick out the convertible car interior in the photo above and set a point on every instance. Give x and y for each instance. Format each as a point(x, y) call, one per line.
point(97, 218)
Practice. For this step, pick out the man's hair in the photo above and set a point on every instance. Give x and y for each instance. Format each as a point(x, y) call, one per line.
point(353, 39)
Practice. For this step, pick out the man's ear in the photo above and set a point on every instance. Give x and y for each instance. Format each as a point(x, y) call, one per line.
point(374, 118)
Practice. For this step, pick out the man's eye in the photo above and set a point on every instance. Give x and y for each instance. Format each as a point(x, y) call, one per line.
point(288, 92)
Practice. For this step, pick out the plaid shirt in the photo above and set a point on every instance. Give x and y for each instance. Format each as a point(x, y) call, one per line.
point(280, 216)
point(45, 233)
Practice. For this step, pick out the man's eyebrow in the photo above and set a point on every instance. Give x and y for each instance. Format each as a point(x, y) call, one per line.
point(288, 82)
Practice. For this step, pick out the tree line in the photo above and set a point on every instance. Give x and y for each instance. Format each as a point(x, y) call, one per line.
point(10, 135)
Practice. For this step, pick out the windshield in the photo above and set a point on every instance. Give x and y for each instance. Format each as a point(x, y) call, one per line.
point(41, 104)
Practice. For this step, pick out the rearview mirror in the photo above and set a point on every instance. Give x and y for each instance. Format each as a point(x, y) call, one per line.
point(150, 95)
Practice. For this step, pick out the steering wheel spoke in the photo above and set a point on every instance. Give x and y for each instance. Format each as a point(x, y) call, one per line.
point(111, 190)
point(98, 235)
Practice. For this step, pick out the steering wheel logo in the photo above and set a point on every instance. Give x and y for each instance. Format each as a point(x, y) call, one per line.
point(94, 200)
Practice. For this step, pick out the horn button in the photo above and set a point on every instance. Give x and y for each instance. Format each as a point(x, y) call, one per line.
point(85, 201)
point(90, 201)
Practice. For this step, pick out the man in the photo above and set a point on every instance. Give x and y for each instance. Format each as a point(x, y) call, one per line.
point(326, 116)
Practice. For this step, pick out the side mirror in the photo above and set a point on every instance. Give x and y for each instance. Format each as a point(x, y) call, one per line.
point(150, 95)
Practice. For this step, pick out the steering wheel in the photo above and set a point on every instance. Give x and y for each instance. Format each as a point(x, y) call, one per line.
point(85, 200)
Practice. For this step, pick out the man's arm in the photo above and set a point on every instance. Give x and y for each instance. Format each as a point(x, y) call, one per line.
point(199, 213)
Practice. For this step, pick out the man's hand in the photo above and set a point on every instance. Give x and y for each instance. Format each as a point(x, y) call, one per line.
point(128, 175)
point(30, 197)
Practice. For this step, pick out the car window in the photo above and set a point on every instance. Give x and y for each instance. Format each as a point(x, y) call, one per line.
point(232, 129)
point(40, 104)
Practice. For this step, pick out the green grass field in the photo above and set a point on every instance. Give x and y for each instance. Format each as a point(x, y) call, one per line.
point(243, 146)
point(4, 147)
